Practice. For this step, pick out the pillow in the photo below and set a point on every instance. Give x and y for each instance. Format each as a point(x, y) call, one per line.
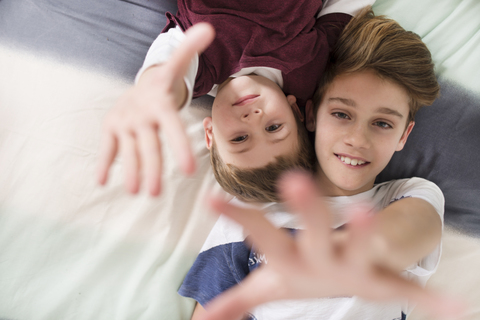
point(109, 36)
point(445, 142)
point(444, 147)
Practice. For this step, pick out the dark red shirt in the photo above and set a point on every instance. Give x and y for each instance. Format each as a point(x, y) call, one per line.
point(284, 34)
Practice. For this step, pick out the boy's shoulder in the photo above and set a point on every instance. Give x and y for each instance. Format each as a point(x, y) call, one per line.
point(389, 192)
point(384, 194)
point(406, 185)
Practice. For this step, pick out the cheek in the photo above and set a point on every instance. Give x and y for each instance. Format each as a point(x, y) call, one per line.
point(325, 131)
point(219, 127)
point(222, 118)
point(322, 143)
point(386, 149)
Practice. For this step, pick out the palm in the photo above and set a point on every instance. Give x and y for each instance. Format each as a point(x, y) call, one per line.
point(317, 262)
point(131, 127)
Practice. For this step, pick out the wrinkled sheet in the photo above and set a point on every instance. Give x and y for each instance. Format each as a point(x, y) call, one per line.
point(70, 249)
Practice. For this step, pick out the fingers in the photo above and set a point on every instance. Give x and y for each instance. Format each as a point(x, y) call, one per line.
point(150, 151)
point(139, 150)
point(107, 152)
point(443, 307)
point(178, 140)
point(197, 39)
point(275, 243)
point(389, 286)
point(360, 228)
point(303, 197)
point(234, 303)
point(129, 154)
point(144, 104)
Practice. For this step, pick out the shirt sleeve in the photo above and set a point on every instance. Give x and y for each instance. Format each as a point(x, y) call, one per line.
point(351, 7)
point(221, 264)
point(162, 49)
point(430, 192)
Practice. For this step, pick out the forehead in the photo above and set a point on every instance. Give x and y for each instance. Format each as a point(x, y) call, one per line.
point(366, 88)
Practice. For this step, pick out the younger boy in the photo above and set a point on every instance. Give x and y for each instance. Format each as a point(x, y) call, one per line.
point(255, 132)
point(378, 77)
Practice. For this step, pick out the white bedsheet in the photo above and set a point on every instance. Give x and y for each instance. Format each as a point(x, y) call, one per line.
point(70, 249)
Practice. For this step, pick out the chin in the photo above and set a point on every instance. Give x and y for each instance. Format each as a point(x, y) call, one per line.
point(352, 188)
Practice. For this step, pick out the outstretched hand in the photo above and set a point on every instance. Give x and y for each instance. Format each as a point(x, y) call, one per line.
point(315, 263)
point(131, 127)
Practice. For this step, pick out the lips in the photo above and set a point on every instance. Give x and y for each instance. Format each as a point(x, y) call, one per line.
point(355, 162)
point(246, 100)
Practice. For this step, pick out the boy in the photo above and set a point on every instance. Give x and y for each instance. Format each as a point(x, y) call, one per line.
point(378, 77)
point(254, 132)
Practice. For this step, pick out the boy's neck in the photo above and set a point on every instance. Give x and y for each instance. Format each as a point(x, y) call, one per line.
point(329, 189)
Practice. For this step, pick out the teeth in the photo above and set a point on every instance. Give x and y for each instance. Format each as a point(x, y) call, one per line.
point(352, 162)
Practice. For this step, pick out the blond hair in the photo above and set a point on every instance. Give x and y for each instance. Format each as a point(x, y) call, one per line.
point(380, 44)
point(260, 184)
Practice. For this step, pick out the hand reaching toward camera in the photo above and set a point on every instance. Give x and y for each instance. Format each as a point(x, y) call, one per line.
point(131, 127)
point(318, 262)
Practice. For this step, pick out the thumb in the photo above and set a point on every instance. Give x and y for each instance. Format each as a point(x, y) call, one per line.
point(258, 288)
point(197, 39)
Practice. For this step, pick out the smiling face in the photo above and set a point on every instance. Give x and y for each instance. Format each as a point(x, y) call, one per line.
point(252, 122)
point(360, 123)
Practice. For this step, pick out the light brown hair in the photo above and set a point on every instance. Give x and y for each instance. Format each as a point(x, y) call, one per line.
point(380, 44)
point(260, 184)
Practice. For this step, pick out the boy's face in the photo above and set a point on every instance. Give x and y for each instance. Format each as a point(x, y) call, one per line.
point(360, 123)
point(252, 122)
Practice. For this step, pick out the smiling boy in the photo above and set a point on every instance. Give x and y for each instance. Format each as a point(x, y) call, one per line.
point(254, 134)
point(361, 121)
point(264, 61)
point(253, 121)
point(378, 77)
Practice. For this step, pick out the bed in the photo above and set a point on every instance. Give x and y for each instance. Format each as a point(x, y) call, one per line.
point(70, 249)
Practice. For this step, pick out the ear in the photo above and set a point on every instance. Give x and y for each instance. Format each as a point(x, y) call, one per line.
point(207, 126)
point(293, 103)
point(404, 138)
point(310, 123)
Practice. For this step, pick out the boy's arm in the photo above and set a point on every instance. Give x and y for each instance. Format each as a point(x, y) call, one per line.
point(198, 312)
point(131, 126)
point(162, 50)
point(405, 232)
point(314, 263)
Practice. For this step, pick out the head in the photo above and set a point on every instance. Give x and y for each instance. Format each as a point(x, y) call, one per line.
point(255, 134)
point(378, 77)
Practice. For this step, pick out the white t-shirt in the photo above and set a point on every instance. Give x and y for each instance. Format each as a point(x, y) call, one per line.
point(226, 232)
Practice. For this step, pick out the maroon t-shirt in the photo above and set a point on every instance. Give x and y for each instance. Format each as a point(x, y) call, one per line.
point(263, 33)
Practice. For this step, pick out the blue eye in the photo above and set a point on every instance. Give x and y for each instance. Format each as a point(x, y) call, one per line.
point(382, 125)
point(340, 115)
point(239, 139)
point(273, 128)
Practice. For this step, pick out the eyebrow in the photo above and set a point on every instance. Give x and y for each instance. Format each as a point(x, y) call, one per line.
point(351, 103)
point(348, 102)
point(390, 111)
point(273, 142)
